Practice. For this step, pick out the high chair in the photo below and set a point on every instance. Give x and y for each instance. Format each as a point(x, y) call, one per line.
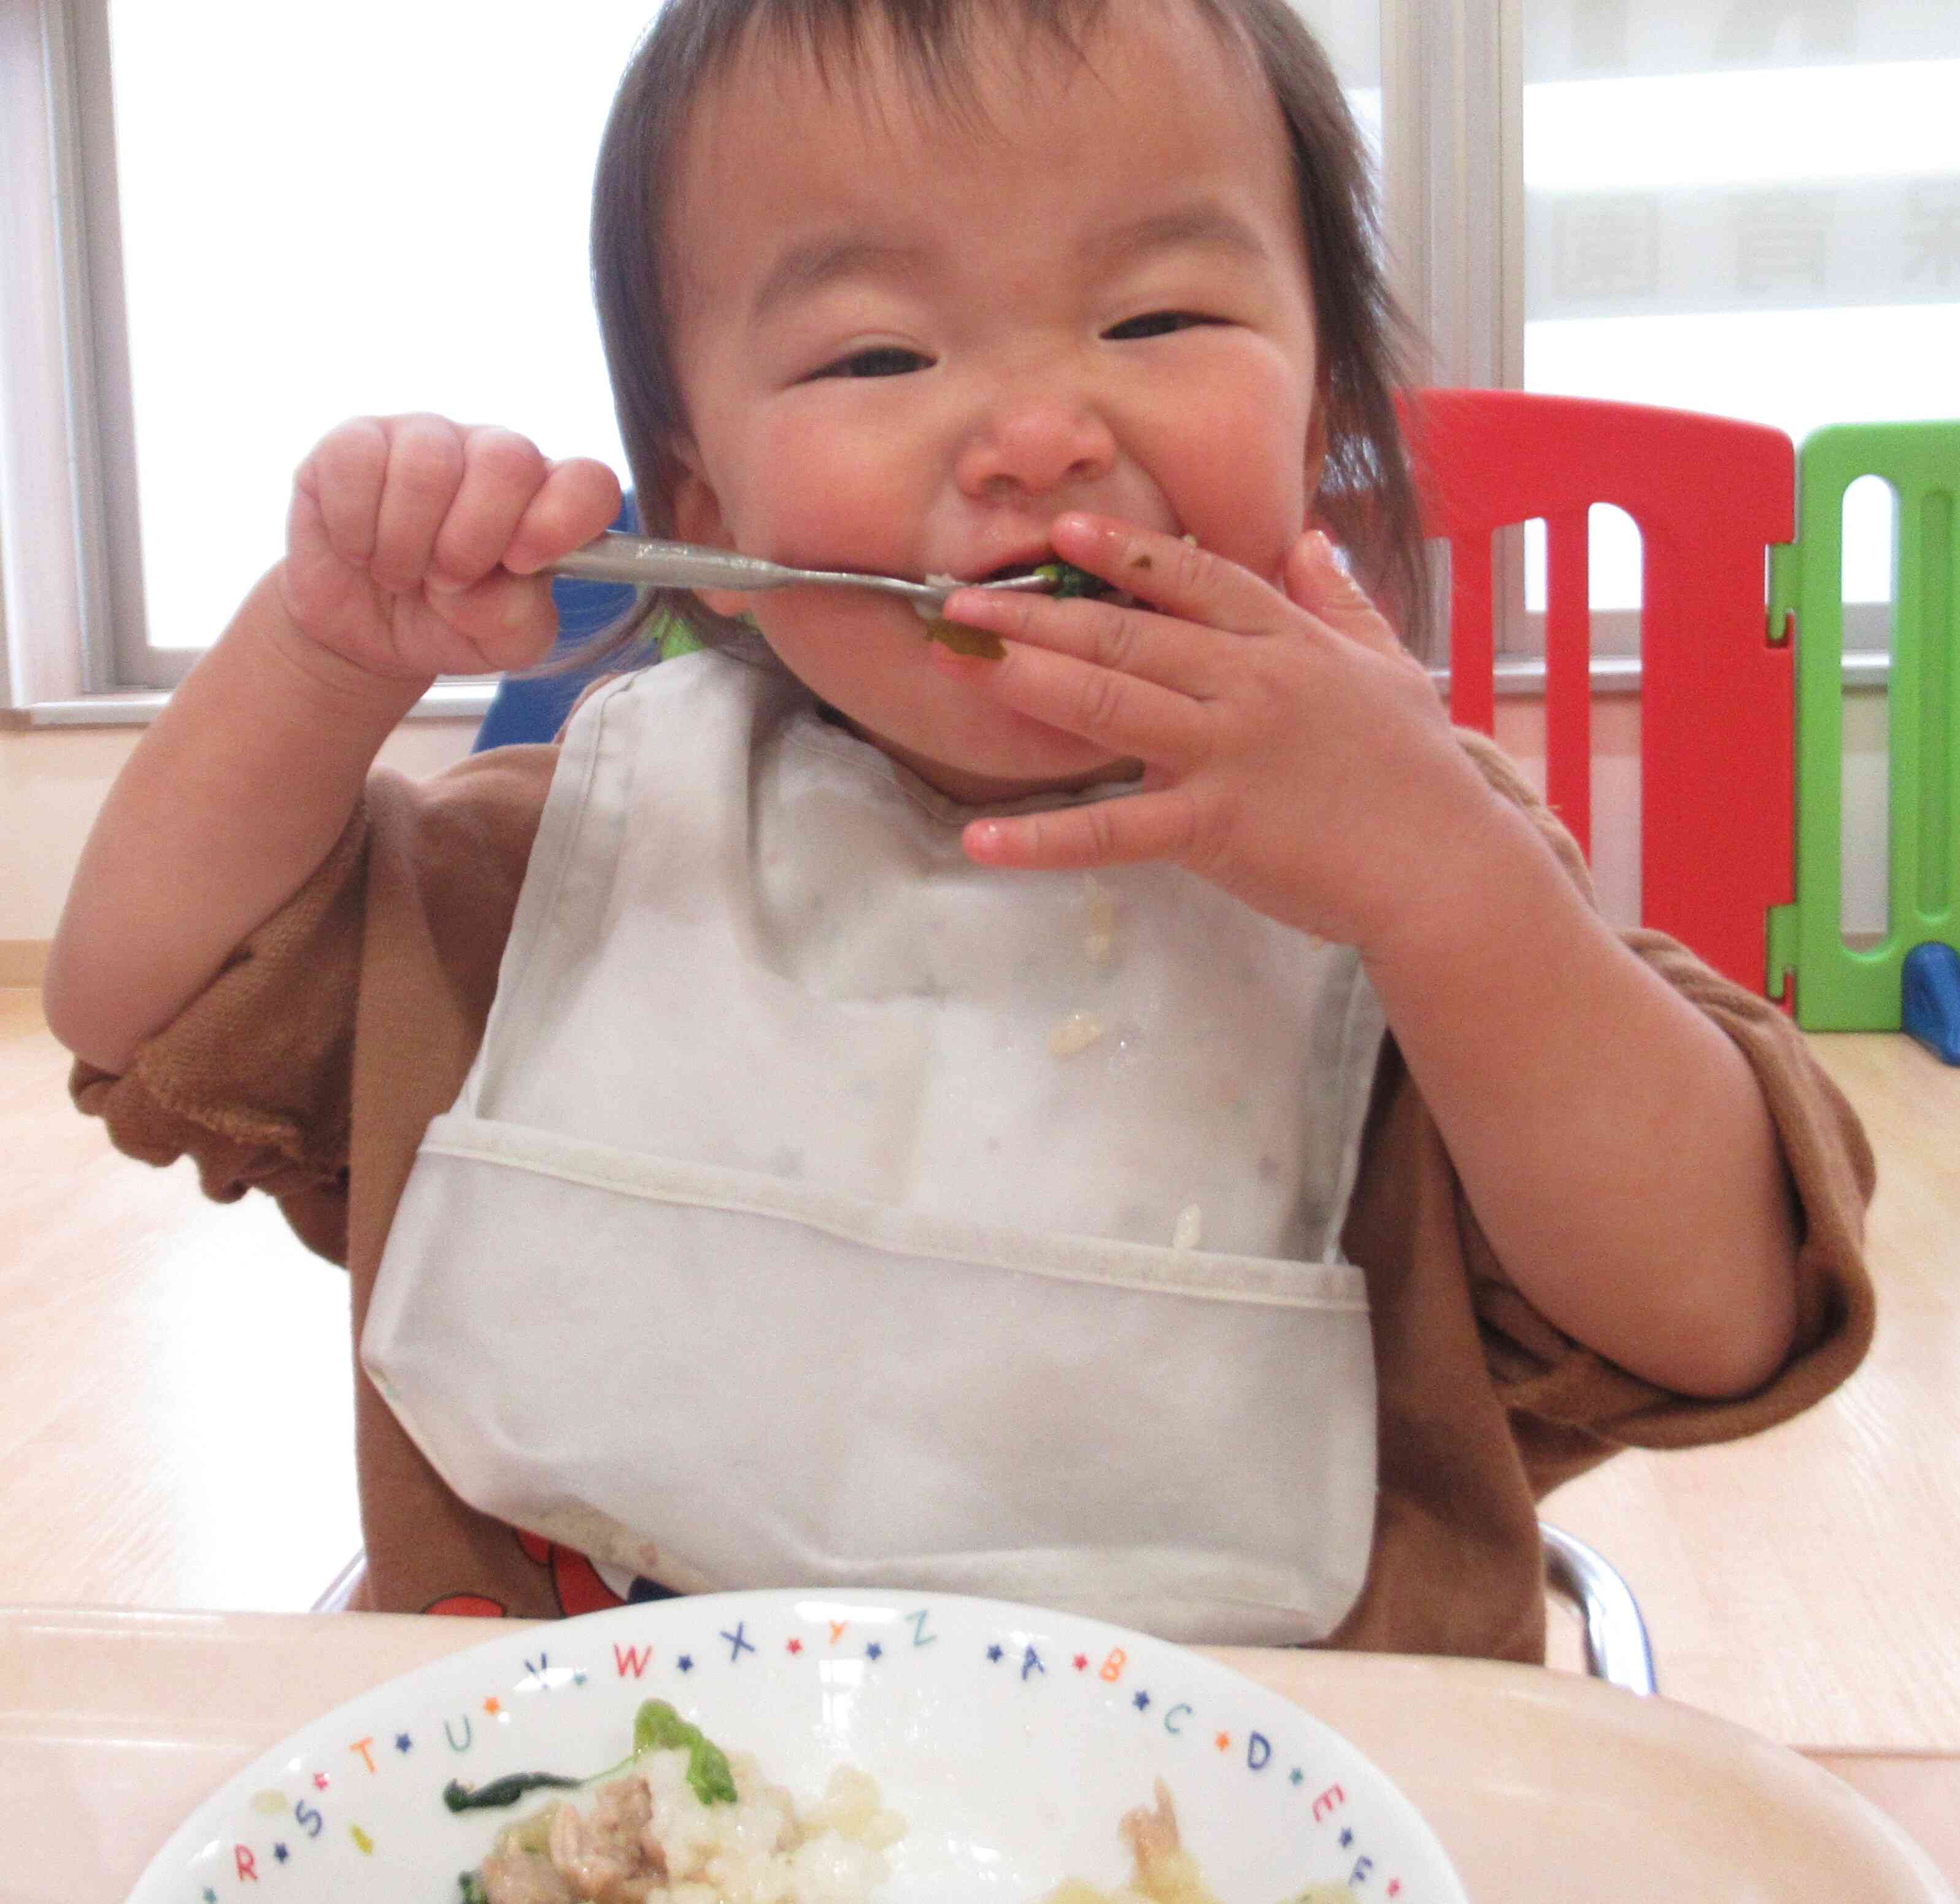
point(1616, 1648)
point(1615, 1639)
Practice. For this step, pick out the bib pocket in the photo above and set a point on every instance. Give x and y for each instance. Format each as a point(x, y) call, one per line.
point(727, 1378)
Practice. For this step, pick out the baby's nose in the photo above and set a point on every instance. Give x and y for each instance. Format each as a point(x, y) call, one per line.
point(1035, 442)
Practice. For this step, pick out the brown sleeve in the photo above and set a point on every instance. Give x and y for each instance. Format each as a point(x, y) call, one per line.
point(250, 1080)
point(254, 1080)
point(1569, 1406)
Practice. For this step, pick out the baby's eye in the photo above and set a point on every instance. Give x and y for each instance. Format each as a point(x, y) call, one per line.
point(1156, 323)
point(882, 360)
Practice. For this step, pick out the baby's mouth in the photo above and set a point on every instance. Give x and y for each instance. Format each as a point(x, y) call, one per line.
point(1010, 571)
point(1065, 579)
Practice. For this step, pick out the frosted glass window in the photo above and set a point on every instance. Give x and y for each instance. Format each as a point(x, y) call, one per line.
point(1352, 38)
point(1746, 207)
point(326, 210)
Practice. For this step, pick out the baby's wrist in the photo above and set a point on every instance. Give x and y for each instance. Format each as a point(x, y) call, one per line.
point(298, 668)
point(1488, 871)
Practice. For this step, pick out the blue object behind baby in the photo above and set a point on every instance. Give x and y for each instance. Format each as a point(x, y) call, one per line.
point(532, 710)
point(1929, 998)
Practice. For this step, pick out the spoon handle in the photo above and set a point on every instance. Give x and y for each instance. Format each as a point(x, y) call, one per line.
point(616, 558)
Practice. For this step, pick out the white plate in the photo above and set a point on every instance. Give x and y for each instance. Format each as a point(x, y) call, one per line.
point(1012, 1740)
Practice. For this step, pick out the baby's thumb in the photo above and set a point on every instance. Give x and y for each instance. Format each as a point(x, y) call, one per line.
point(511, 619)
point(1317, 580)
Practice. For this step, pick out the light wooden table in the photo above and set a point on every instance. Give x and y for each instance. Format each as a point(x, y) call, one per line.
point(1543, 1788)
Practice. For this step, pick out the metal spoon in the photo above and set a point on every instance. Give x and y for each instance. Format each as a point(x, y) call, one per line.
point(615, 558)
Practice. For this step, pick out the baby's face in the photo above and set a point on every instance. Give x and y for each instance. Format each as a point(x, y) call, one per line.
point(908, 339)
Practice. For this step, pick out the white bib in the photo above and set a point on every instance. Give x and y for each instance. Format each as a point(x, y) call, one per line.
point(822, 1210)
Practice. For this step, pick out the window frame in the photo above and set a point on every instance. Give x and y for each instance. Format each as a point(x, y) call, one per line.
point(51, 542)
point(74, 646)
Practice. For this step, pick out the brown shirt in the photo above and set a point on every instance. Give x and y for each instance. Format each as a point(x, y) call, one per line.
point(310, 1065)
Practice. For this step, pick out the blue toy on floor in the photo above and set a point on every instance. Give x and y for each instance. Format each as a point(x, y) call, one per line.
point(1930, 999)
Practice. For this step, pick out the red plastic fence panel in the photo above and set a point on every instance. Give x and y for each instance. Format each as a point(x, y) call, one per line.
point(1717, 724)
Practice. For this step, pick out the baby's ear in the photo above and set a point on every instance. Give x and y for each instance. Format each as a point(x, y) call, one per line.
point(697, 518)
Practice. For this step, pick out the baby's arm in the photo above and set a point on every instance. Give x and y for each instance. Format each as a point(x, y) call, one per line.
point(412, 546)
point(1611, 1139)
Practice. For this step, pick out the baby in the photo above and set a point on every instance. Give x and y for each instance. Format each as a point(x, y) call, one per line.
point(682, 1097)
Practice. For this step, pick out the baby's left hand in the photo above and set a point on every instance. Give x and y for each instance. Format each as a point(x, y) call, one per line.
point(1293, 751)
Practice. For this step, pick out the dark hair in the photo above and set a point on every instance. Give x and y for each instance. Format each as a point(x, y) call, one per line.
point(1367, 498)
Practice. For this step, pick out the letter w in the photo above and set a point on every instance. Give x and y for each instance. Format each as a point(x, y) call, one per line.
point(631, 1659)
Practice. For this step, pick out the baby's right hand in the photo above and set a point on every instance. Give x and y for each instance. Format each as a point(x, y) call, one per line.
point(413, 544)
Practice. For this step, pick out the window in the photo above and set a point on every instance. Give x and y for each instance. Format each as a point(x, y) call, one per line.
point(241, 223)
point(293, 216)
point(397, 221)
point(1749, 207)
point(1352, 37)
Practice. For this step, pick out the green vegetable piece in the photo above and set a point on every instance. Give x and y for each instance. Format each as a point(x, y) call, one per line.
point(1065, 579)
point(965, 641)
point(658, 1727)
point(471, 1886)
point(500, 1792)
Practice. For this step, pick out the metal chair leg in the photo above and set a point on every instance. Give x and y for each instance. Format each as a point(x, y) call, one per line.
point(341, 1592)
point(1617, 1647)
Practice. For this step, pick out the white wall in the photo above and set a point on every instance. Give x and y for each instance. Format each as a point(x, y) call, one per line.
point(53, 783)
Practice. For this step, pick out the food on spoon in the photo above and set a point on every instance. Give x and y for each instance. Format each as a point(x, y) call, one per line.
point(1075, 1033)
point(1065, 581)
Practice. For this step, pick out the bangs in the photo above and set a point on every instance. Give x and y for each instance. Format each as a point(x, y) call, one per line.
point(934, 43)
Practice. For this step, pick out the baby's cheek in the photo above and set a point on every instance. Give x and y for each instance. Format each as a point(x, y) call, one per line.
point(1258, 483)
point(1229, 454)
point(829, 505)
point(1253, 523)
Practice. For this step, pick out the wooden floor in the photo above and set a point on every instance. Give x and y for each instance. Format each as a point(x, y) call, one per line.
point(176, 1426)
point(176, 1416)
point(1806, 1582)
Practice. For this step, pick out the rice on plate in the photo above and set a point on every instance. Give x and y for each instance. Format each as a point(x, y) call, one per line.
point(685, 1822)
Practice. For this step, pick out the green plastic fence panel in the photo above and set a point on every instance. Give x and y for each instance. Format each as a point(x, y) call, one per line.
point(1839, 988)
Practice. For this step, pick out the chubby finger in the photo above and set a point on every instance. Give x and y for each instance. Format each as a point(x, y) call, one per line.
point(1125, 829)
point(337, 490)
point(510, 620)
point(501, 472)
point(1132, 718)
point(1175, 576)
point(578, 499)
point(1172, 653)
point(425, 467)
point(1317, 581)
